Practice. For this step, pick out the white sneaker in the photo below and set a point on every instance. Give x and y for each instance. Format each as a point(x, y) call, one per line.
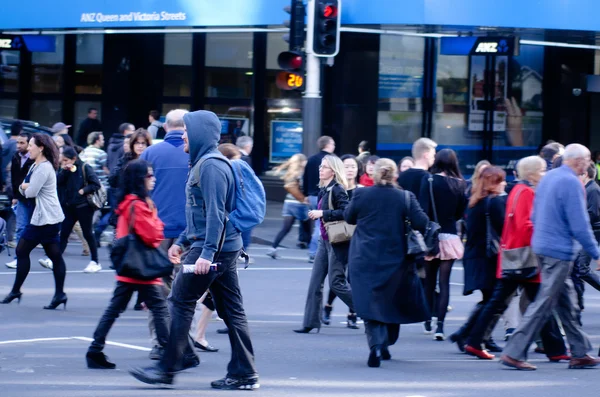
point(47, 263)
point(272, 252)
point(12, 264)
point(93, 267)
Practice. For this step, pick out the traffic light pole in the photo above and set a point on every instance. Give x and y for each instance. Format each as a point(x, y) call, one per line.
point(312, 101)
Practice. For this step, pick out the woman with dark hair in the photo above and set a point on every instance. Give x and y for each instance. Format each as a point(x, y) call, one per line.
point(136, 211)
point(443, 200)
point(76, 181)
point(44, 227)
point(487, 206)
point(139, 141)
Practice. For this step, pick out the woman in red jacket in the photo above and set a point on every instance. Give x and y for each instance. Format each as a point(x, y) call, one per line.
point(138, 180)
point(517, 233)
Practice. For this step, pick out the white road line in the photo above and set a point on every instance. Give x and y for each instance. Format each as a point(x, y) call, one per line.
point(125, 345)
point(11, 342)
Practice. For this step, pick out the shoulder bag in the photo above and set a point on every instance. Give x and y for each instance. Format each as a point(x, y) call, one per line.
point(338, 231)
point(492, 246)
point(131, 257)
point(97, 199)
point(415, 243)
point(518, 264)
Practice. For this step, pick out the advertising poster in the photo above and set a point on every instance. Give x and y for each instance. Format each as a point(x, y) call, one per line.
point(232, 128)
point(286, 140)
point(477, 96)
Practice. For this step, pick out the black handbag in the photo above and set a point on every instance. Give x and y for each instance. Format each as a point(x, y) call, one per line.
point(418, 245)
point(131, 257)
point(492, 240)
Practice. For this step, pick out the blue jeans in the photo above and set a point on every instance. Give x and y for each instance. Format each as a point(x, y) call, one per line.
point(314, 241)
point(23, 214)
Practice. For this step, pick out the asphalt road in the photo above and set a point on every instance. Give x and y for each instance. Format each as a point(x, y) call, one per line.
point(42, 353)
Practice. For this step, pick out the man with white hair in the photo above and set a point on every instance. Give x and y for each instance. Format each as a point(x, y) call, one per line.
point(559, 219)
point(245, 144)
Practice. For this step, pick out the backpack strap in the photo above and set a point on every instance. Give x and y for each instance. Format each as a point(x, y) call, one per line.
point(430, 179)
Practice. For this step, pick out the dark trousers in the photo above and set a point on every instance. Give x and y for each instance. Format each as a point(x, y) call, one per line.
point(550, 333)
point(186, 290)
point(581, 274)
point(381, 334)
point(154, 297)
point(85, 216)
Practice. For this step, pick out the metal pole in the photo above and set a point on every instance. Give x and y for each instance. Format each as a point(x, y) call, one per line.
point(312, 101)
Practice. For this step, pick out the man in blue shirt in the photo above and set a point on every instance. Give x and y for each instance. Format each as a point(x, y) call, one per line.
point(559, 218)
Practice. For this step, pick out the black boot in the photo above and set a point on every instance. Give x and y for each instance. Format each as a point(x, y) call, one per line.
point(492, 346)
point(327, 314)
point(98, 360)
point(459, 340)
point(375, 357)
point(352, 321)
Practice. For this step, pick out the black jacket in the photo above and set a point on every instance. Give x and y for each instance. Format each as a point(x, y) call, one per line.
point(480, 271)
point(69, 183)
point(385, 284)
point(592, 191)
point(311, 174)
point(114, 151)
point(17, 174)
point(339, 200)
point(86, 127)
point(114, 179)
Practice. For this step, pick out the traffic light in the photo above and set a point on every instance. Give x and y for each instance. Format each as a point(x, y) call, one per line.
point(292, 78)
point(326, 31)
point(296, 35)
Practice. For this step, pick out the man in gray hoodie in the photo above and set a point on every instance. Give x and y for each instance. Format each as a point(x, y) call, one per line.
point(210, 195)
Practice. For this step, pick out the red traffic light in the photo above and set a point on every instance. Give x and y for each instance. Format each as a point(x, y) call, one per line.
point(290, 60)
point(330, 11)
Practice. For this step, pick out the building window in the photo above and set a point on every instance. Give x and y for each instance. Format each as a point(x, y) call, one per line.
point(81, 112)
point(167, 107)
point(399, 118)
point(229, 65)
point(48, 69)
point(46, 112)
point(275, 46)
point(9, 71)
point(452, 102)
point(178, 65)
point(88, 72)
point(235, 121)
point(8, 108)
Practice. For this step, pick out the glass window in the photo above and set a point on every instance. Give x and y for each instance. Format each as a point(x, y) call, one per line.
point(275, 46)
point(167, 107)
point(9, 71)
point(81, 112)
point(48, 67)
point(8, 108)
point(46, 112)
point(399, 118)
point(229, 65)
point(284, 124)
point(451, 103)
point(88, 73)
point(178, 65)
point(235, 121)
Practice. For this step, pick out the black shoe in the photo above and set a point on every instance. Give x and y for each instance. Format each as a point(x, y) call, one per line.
point(302, 246)
point(375, 357)
point(327, 315)
point(190, 361)
point(98, 361)
point(152, 376)
point(385, 354)
point(11, 297)
point(492, 346)
point(427, 329)
point(138, 307)
point(352, 321)
point(439, 332)
point(228, 383)
point(207, 348)
point(509, 333)
point(156, 353)
point(57, 300)
point(458, 339)
point(223, 331)
point(305, 330)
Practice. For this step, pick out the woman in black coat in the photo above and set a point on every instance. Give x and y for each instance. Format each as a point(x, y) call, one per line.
point(487, 200)
point(330, 259)
point(386, 288)
point(76, 180)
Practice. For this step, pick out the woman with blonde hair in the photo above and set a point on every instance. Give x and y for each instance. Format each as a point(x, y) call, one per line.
point(386, 288)
point(331, 258)
point(295, 205)
point(476, 174)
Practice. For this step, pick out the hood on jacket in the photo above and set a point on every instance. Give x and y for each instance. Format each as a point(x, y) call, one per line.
point(204, 132)
point(126, 204)
point(116, 142)
point(156, 123)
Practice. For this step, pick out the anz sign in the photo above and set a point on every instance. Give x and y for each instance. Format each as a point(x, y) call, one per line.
point(479, 46)
point(493, 47)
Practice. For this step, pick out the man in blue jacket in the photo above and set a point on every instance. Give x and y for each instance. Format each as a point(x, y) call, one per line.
point(210, 194)
point(559, 218)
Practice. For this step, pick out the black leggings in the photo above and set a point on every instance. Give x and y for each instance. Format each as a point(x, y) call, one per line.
point(431, 271)
point(59, 268)
point(85, 216)
point(288, 222)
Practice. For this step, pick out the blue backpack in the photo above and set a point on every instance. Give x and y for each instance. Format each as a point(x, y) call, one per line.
point(250, 203)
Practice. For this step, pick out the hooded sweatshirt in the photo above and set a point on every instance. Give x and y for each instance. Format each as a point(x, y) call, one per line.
point(115, 150)
point(171, 166)
point(210, 189)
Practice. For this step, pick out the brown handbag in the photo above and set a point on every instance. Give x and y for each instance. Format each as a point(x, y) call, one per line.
point(338, 231)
